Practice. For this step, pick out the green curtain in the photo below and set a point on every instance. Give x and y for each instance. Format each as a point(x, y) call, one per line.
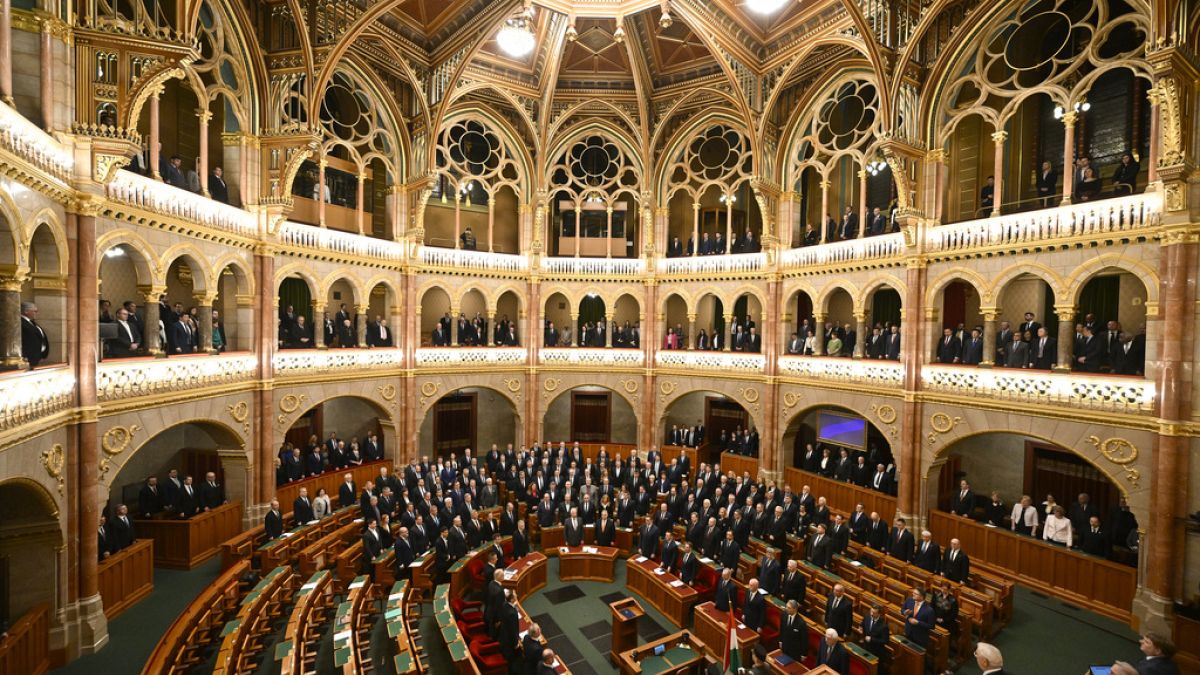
point(885, 307)
point(295, 292)
point(1099, 297)
point(591, 309)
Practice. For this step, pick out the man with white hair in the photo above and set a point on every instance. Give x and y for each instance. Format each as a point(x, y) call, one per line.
point(989, 659)
point(831, 653)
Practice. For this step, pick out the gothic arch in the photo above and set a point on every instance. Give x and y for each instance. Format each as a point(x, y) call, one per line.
point(1084, 273)
point(963, 274)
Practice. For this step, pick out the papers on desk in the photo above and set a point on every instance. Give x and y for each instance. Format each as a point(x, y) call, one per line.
point(416, 563)
point(590, 549)
point(529, 563)
point(989, 525)
point(659, 571)
point(344, 635)
point(640, 559)
point(856, 563)
point(706, 561)
point(741, 626)
point(676, 584)
point(312, 522)
point(357, 584)
point(357, 520)
point(509, 574)
point(285, 535)
point(395, 596)
point(393, 613)
point(309, 586)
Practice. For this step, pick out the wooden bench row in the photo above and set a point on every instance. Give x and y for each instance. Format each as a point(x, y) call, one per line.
point(351, 629)
point(178, 649)
point(297, 653)
point(242, 637)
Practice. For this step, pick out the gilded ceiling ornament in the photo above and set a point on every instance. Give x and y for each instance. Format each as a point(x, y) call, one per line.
point(630, 385)
point(665, 389)
point(749, 393)
point(240, 412)
point(1166, 95)
point(54, 460)
point(551, 383)
point(1121, 452)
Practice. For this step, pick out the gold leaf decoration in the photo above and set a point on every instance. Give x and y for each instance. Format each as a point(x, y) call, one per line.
point(1121, 452)
point(388, 392)
point(941, 423)
point(54, 460)
point(116, 439)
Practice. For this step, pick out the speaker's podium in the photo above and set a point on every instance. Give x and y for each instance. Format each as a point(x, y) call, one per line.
point(625, 614)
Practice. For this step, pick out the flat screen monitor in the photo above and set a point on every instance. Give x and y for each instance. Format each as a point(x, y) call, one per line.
point(842, 429)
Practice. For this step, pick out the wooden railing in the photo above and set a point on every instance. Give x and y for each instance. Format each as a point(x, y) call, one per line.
point(304, 626)
point(740, 464)
point(242, 639)
point(178, 650)
point(1094, 583)
point(842, 496)
point(126, 577)
point(331, 481)
point(185, 543)
point(26, 650)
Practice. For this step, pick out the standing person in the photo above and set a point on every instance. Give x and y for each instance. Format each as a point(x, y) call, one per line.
point(216, 186)
point(35, 346)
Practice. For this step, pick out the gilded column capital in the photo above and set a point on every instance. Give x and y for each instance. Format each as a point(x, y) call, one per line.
point(1000, 136)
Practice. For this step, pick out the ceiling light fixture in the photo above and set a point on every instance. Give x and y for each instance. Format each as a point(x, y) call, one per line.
point(876, 167)
point(765, 6)
point(1083, 106)
point(619, 33)
point(572, 34)
point(665, 20)
point(515, 38)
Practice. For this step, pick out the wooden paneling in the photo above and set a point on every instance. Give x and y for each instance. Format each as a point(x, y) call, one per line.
point(843, 496)
point(126, 577)
point(739, 465)
point(26, 650)
point(1095, 583)
point(185, 543)
point(331, 481)
point(591, 416)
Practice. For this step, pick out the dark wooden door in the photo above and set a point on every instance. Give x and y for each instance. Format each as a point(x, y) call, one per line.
point(1052, 470)
point(454, 424)
point(954, 305)
point(303, 428)
point(591, 418)
point(947, 485)
point(721, 414)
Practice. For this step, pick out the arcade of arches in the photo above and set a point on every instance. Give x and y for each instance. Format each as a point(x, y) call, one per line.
point(871, 247)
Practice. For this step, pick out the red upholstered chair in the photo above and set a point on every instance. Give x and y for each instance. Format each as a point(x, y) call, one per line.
point(486, 653)
point(466, 608)
point(472, 631)
point(705, 582)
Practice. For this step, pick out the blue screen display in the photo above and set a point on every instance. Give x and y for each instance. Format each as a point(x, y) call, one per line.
point(841, 429)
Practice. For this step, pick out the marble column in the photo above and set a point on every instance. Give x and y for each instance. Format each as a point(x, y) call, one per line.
point(998, 171)
point(153, 340)
point(6, 33)
point(863, 212)
point(155, 142)
point(321, 165)
point(691, 331)
point(1066, 338)
point(825, 185)
point(453, 325)
point(317, 325)
point(1152, 159)
point(1068, 168)
point(491, 329)
point(608, 330)
point(860, 331)
point(204, 309)
point(87, 266)
point(728, 336)
point(10, 324)
point(266, 321)
point(46, 87)
point(695, 226)
point(989, 336)
point(360, 324)
point(491, 223)
point(818, 334)
point(205, 118)
point(360, 203)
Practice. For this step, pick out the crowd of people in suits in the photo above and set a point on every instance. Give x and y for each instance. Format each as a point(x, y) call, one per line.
point(317, 457)
point(746, 242)
point(878, 222)
point(743, 337)
point(841, 339)
point(474, 332)
point(177, 497)
point(171, 172)
point(178, 330)
point(872, 469)
point(341, 331)
point(1098, 347)
point(627, 335)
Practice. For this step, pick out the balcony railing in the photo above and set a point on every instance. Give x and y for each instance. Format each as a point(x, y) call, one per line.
point(726, 361)
point(457, 357)
point(130, 378)
point(1089, 219)
point(1092, 392)
point(853, 371)
point(24, 139)
point(28, 397)
point(594, 267)
point(850, 251)
point(582, 356)
point(713, 264)
point(131, 189)
point(473, 260)
point(296, 362)
point(335, 241)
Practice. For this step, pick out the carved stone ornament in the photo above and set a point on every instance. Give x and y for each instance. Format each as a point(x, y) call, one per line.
point(429, 392)
point(290, 404)
point(1121, 452)
point(885, 413)
point(54, 460)
point(240, 412)
point(114, 442)
point(941, 423)
point(106, 167)
point(388, 392)
point(666, 388)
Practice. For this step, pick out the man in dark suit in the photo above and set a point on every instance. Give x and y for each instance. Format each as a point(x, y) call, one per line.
point(839, 610)
point(972, 350)
point(405, 553)
point(1047, 184)
point(754, 608)
point(831, 653)
point(35, 346)
point(839, 534)
point(216, 185)
point(725, 596)
point(928, 554)
point(849, 229)
point(1125, 359)
point(956, 566)
point(820, 548)
point(794, 583)
point(493, 602)
point(128, 341)
point(573, 529)
point(900, 542)
point(670, 551)
point(793, 632)
point(964, 500)
point(509, 633)
point(458, 540)
point(1158, 651)
point(730, 552)
point(648, 540)
point(188, 504)
point(181, 333)
point(1043, 353)
point(769, 573)
point(347, 493)
point(150, 498)
point(876, 634)
point(688, 564)
point(1028, 325)
point(122, 534)
point(1092, 539)
point(531, 648)
point(372, 546)
point(919, 618)
point(273, 522)
point(949, 347)
point(104, 543)
point(212, 493)
point(302, 510)
point(1091, 352)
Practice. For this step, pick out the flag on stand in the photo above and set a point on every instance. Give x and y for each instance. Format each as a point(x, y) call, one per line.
point(732, 659)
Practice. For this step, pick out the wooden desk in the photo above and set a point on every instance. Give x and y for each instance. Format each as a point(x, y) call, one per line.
point(332, 482)
point(711, 628)
point(675, 602)
point(422, 572)
point(625, 614)
point(624, 540)
point(241, 638)
point(528, 575)
point(681, 655)
point(126, 577)
point(552, 539)
point(348, 646)
point(177, 650)
point(793, 668)
point(739, 464)
point(297, 652)
point(589, 563)
point(185, 543)
point(26, 650)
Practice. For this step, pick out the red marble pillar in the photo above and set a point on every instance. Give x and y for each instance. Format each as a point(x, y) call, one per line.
point(907, 452)
point(768, 456)
point(86, 268)
point(532, 339)
point(155, 142)
point(264, 399)
point(6, 31)
point(46, 87)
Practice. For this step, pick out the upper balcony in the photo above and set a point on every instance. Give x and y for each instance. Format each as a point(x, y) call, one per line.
point(1119, 217)
point(883, 247)
point(27, 397)
point(1118, 394)
point(842, 370)
point(22, 138)
point(594, 267)
point(472, 261)
point(729, 362)
point(308, 362)
point(320, 240)
point(121, 379)
point(709, 265)
point(159, 199)
point(591, 357)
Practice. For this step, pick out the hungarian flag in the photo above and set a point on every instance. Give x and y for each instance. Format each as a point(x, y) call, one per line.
point(732, 660)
